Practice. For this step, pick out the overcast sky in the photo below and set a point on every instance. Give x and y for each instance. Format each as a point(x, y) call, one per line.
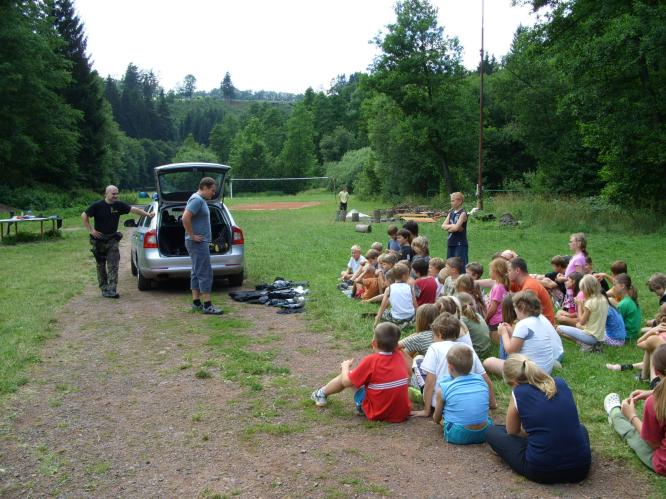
point(281, 45)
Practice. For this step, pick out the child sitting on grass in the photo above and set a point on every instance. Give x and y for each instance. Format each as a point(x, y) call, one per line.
point(354, 263)
point(447, 276)
point(568, 314)
point(617, 267)
point(462, 398)
point(381, 380)
point(478, 329)
point(626, 298)
point(400, 296)
point(425, 286)
point(404, 239)
point(365, 284)
point(499, 273)
point(420, 248)
point(435, 265)
point(474, 270)
point(590, 330)
point(386, 262)
point(418, 343)
point(393, 243)
point(554, 281)
point(465, 284)
point(646, 437)
point(446, 329)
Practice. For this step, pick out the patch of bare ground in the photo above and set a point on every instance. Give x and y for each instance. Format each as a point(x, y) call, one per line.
point(115, 409)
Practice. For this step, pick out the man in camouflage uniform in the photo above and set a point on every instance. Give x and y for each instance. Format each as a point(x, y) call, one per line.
point(104, 237)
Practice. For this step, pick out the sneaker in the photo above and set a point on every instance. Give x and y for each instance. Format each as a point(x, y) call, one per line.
point(212, 310)
point(611, 401)
point(584, 347)
point(197, 308)
point(110, 294)
point(319, 398)
point(557, 365)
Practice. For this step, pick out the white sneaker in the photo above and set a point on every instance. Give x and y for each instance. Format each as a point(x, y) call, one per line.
point(611, 401)
point(319, 398)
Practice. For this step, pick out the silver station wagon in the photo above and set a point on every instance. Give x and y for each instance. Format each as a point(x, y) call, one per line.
point(158, 244)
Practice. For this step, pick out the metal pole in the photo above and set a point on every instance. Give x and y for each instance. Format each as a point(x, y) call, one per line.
point(479, 187)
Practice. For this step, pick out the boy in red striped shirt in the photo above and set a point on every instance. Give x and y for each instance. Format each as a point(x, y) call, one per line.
point(381, 379)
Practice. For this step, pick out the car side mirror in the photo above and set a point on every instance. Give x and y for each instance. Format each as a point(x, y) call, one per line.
point(130, 223)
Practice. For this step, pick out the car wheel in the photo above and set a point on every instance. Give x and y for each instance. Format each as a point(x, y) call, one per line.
point(135, 272)
point(237, 279)
point(143, 283)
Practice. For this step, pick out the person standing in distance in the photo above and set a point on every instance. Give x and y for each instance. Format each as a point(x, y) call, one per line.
point(196, 221)
point(456, 225)
point(343, 195)
point(104, 237)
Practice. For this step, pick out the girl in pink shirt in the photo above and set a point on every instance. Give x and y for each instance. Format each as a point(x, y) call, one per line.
point(499, 272)
point(577, 244)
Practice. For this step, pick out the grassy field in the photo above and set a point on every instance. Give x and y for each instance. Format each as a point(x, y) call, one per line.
point(307, 244)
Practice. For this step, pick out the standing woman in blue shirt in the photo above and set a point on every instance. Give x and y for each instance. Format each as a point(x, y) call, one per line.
point(456, 225)
point(543, 439)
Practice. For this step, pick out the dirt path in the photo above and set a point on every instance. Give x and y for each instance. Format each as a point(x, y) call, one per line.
point(115, 410)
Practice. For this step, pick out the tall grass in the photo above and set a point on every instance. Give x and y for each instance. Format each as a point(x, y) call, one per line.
point(592, 215)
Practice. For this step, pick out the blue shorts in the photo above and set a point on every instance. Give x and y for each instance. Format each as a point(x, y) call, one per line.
point(455, 433)
point(359, 397)
point(201, 276)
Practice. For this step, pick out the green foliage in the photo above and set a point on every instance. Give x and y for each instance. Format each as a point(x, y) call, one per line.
point(297, 158)
point(349, 170)
point(193, 151)
point(420, 71)
point(249, 154)
point(221, 137)
point(38, 132)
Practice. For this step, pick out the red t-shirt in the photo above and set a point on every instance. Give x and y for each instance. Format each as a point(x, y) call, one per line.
point(427, 290)
point(386, 380)
point(654, 431)
point(542, 294)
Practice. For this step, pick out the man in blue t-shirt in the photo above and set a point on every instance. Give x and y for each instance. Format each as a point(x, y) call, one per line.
point(196, 221)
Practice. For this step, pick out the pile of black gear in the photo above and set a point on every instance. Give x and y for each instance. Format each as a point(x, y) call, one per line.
point(288, 296)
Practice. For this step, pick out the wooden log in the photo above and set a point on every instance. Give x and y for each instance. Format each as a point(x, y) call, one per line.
point(363, 228)
point(355, 217)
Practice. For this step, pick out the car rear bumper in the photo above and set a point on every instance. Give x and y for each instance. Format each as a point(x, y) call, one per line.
point(155, 266)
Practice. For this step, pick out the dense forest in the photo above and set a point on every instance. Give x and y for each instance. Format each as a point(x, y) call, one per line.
point(577, 107)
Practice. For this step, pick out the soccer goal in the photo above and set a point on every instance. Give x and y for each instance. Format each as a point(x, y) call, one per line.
point(284, 185)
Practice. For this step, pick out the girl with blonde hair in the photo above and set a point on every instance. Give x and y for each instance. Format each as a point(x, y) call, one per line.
point(590, 330)
point(543, 439)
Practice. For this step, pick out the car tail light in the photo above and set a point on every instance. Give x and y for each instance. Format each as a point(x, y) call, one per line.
point(150, 239)
point(237, 236)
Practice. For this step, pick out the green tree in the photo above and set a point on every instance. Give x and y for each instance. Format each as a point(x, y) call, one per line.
point(38, 129)
point(227, 87)
point(420, 70)
point(189, 86)
point(297, 158)
point(249, 154)
point(222, 136)
point(84, 93)
point(191, 150)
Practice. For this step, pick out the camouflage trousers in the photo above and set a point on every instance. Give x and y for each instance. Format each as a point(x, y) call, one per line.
point(107, 256)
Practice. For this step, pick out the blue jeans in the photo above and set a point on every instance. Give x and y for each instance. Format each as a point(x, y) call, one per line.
point(201, 276)
point(578, 334)
point(460, 251)
point(455, 433)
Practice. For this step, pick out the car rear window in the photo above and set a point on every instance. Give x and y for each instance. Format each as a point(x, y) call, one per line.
point(179, 185)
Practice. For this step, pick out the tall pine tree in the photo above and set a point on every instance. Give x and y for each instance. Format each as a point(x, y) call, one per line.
point(85, 93)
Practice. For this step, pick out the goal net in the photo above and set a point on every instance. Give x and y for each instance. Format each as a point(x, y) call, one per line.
point(285, 185)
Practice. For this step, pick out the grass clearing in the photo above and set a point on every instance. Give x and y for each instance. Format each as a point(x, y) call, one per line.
point(306, 244)
point(313, 247)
